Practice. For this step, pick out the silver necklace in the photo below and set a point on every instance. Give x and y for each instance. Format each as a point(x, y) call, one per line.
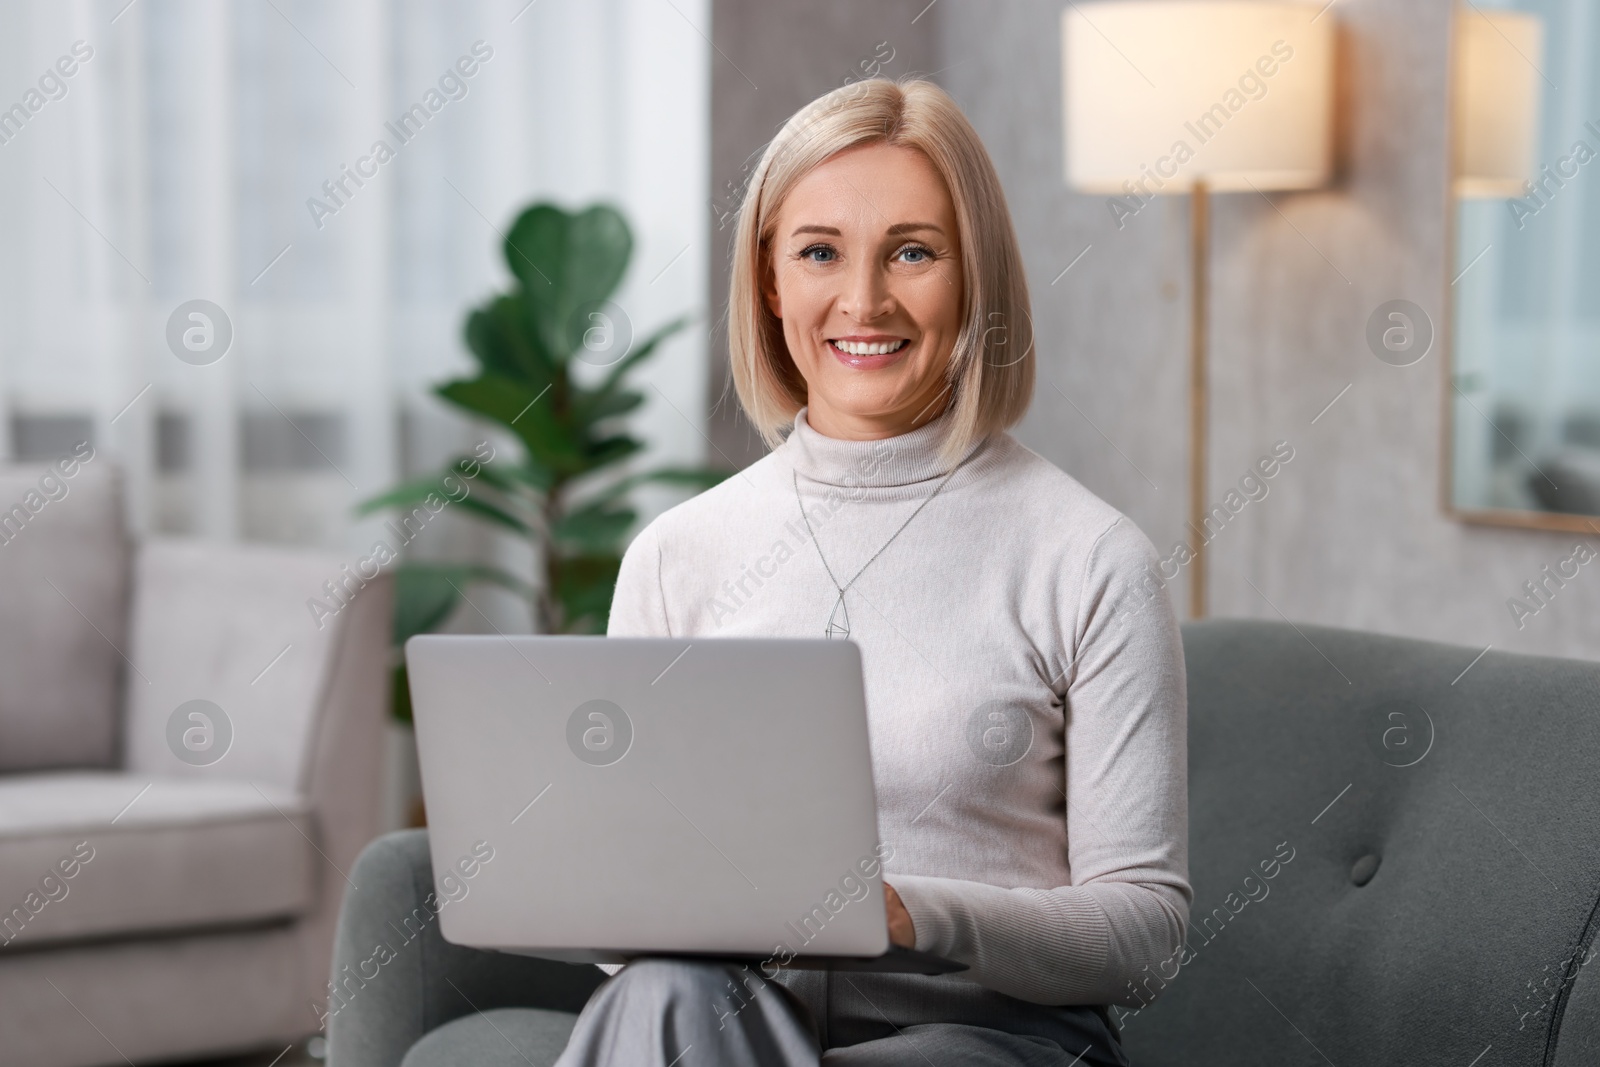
point(839, 620)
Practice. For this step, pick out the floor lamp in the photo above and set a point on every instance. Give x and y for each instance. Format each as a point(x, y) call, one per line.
point(1195, 96)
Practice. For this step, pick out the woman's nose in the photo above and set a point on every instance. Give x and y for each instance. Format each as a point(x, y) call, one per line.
point(866, 296)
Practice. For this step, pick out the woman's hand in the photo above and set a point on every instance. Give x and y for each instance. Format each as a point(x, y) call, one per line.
point(901, 931)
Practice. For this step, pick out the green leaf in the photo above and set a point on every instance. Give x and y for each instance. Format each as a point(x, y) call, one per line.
point(499, 334)
point(535, 477)
point(567, 263)
point(617, 402)
point(400, 693)
point(523, 410)
point(583, 586)
point(415, 493)
point(509, 478)
point(427, 593)
point(405, 495)
point(520, 481)
point(613, 379)
point(423, 599)
point(504, 579)
point(595, 529)
point(496, 514)
point(609, 450)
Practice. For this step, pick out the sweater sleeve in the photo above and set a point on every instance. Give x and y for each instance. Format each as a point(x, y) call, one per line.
point(638, 608)
point(1126, 806)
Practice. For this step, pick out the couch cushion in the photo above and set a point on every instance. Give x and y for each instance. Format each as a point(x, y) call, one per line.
point(1395, 852)
point(64, 569)
point(231, 626)
point(97, 853)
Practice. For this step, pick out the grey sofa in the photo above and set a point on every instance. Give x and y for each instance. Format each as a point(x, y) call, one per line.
point(169, 885)
point(1395, 848)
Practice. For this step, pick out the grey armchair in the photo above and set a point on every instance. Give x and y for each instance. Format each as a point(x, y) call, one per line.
point(169, 885)
point(1394, 862)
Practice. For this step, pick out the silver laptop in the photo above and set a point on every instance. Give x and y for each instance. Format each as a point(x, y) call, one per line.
point(595, 799)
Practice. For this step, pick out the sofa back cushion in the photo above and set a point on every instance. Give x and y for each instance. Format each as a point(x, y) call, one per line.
point(223, 632)
point(63, 606)
point(1395, 852)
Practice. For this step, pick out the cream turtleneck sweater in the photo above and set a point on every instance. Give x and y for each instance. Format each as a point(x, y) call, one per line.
point(1026, 696)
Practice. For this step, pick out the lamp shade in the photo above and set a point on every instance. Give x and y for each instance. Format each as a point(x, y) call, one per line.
point(1160, 93)
point(1496, 100)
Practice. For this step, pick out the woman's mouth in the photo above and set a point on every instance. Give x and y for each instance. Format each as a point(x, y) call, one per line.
point(868, 354)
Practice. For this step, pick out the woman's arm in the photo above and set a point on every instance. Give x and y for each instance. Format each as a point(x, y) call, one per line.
point(1126, 806)
point(638, 608)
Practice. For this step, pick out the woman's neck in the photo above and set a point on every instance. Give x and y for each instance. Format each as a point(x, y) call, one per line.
point(832, 422)
point(888, 460)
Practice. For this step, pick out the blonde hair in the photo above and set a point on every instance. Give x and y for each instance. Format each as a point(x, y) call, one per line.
point(991, 384)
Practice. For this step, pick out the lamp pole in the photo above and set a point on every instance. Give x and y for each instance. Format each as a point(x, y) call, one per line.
point(1118, 128)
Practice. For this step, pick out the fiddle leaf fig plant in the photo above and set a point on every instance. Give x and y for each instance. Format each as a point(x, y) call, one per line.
point(527, 342)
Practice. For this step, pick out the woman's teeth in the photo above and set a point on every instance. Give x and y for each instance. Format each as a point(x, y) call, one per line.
point(877, 348)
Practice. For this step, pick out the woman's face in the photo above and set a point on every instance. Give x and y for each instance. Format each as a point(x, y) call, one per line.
point(865, 272)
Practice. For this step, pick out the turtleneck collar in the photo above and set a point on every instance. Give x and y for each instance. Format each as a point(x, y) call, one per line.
point(904, 459)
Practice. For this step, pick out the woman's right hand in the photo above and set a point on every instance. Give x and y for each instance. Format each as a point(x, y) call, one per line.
point(902, 931)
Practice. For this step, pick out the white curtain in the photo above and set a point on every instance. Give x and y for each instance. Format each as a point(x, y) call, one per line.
point(184, 158)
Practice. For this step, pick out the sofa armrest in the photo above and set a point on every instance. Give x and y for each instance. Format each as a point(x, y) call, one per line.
point(395, 978)
point(299, 679)
point(1575, 1021)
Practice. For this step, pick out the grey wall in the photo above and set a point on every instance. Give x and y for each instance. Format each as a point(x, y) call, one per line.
point(1352, 533)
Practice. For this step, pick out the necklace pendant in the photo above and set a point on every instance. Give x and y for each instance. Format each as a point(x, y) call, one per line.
point(839, 621)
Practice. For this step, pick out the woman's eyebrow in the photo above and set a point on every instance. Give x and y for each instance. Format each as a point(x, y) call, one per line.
point(896, 230)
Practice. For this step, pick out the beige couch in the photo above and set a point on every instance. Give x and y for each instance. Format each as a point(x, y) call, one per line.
point(166, 892)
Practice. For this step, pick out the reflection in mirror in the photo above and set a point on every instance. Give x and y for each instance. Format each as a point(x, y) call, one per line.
point(1524, 404)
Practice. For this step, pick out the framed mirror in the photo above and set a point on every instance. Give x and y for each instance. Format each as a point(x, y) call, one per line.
point(1522, 406)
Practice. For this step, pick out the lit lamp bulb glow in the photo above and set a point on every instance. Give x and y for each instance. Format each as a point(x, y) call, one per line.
point(1496, 101)
point(1159, 94)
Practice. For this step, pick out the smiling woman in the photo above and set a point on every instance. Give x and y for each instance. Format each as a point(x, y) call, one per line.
point(856, 292)
point(853, 235)
point(1026, 699)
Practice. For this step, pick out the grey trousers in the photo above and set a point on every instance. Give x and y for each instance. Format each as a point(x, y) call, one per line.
point(682, 1013)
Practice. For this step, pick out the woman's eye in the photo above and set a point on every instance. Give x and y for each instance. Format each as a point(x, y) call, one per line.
point(917, 255)
point(818, 254)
